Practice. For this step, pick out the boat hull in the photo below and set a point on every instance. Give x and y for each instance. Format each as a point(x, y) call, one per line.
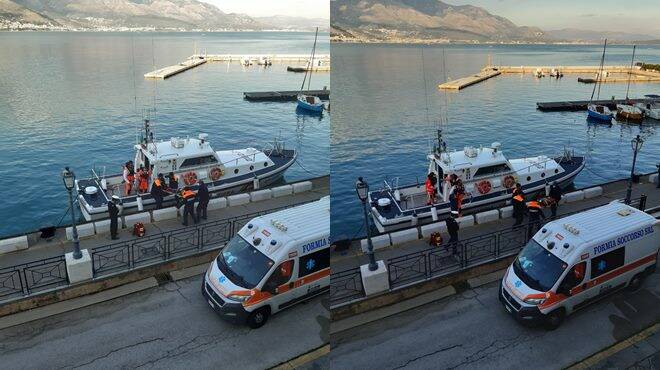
point(302, 104)
point(387, 223)
point(96, 209)
point(605, 117)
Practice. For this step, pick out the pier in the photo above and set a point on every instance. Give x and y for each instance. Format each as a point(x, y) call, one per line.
point(470, 80)
point(615, 74)
point(284, 95)
point(322, 62)
point(170, 71)
point(579, 105)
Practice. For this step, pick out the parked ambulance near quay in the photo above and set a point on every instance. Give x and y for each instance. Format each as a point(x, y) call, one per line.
point(274, 262)
point(574, 261)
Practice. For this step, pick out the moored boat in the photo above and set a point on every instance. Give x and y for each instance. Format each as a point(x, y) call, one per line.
point(310, 102)
point(628, 112)
point(651, 110)
point(488, 178)
point(599, 112)
point(190, 159)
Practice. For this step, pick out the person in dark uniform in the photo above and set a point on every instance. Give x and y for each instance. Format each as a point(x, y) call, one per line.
point(173, 182)
point(518, 202)
point(114, 209)
point(158, 190)
point(536, 214)
point(189, 197)
point(555, 196)
point(203, 199)
point(452, 229)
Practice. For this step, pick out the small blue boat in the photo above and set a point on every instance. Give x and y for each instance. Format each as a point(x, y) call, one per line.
point(600, 112)
point(310, 102)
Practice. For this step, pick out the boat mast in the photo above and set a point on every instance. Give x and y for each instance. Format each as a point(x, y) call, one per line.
point(311, 62)
point(600, 74)
point(630, 71)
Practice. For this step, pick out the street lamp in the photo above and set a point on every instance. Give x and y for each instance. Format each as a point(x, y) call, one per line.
point(69, 179)
point(362, 190)
point(636, 144)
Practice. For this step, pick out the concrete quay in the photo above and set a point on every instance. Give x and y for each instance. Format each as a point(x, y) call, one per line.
point(96, 234)
point(170, 71)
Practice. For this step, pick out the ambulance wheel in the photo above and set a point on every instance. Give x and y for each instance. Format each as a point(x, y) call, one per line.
point(258, 317)
point(554, 319)
point(636, 282)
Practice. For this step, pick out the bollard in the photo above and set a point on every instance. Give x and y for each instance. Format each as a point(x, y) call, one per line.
point(255, 183)
point(434, 214)
point(413, 221)
point(642, 202)
point(140, 204)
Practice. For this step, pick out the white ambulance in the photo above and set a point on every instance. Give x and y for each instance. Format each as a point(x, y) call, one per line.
point(274, 262)
point(574, 261)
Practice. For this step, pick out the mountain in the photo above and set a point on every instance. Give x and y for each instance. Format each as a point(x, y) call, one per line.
point(387, 20)
point(596, 36)
point(113, 14)
point(285, 22)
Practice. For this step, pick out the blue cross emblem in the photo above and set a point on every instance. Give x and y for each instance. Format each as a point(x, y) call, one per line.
point(310, 264)
point(601, 265)
point(222, 279)
point(518, 284)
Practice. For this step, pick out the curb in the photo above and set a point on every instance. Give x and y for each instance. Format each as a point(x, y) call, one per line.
point(614, 349)
point(303, 359)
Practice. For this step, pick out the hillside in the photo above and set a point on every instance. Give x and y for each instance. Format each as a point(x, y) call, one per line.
point(119, 14)
point(391, 20)
point(284, 22)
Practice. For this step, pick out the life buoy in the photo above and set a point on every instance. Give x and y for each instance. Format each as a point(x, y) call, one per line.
point(509, 181)
point(216, 173)
point(483, 187)
point(190, 178)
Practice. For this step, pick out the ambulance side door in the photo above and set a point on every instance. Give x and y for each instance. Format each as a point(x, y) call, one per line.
point(278, 284)
point(604, 279)
point(314, 271)
point(573, 286)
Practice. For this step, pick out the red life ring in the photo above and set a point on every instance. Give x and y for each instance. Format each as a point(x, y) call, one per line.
point(190, 178)
point(216, 173)
point(509, 181)
point(483, 187)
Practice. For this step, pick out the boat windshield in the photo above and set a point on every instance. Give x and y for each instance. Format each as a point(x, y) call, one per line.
point(537, 267)
point(242, 263)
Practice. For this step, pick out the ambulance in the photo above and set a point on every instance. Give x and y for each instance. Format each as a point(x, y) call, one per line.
point(273, 262)
point(577, 260)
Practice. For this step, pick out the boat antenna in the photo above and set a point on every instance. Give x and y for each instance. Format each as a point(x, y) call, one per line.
point(311, 63)
point(630, 71)
point(426, 92)
point(600, 74)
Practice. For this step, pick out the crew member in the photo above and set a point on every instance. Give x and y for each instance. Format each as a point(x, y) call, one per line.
point(114, 210)
point(173, 182)
point(535, 210)
point(518, 201)
point(555, 197)
point(158, 190)
point(203, 198)
point(430, 188)
point(452, 229)
point(129, 177)
point(460, 195)
point(143, 180)
point(189, 197)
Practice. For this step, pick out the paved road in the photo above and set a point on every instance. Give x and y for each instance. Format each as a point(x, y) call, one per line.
point(170, 326)
point(472, 330)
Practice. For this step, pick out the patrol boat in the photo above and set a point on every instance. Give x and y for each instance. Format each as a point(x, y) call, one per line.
point(487, 175)
point(225, 172)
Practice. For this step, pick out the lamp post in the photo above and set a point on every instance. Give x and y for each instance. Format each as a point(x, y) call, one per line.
point(69, 179)
point(362, 190)
point(636, 143)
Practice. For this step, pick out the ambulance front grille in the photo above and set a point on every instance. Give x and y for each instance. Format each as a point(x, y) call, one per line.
point(510, 299)
point(216, 298)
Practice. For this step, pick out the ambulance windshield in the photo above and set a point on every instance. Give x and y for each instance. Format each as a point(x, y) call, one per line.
point(243, 264)
point(538, 268)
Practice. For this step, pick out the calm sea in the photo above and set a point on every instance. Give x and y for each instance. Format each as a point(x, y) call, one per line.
point(69, 99)
point(381, 128)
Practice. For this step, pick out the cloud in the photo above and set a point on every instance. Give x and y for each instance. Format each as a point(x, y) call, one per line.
point(588, 15)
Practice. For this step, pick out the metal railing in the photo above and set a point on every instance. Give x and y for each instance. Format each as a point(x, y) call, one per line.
point(29, 278)
point(416, 267)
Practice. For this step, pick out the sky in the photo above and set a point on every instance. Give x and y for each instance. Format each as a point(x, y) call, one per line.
point(265, 8)
point(632, 16)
